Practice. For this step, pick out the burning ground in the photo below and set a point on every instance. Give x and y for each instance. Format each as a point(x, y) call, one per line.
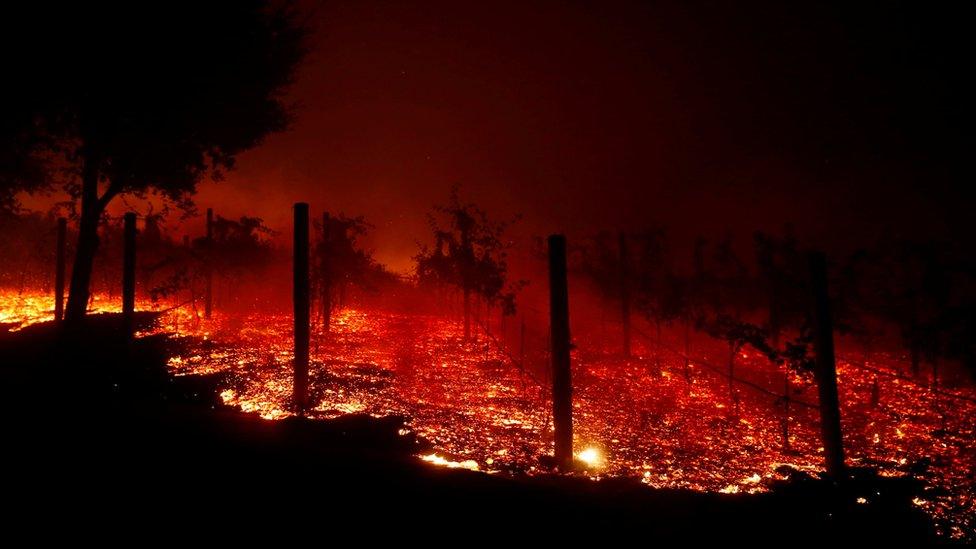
point(632, 418)
point(645, 418)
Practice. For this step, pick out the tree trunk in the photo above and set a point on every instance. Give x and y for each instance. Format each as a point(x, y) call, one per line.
point(129, 271)
point(826, 372)
point(59, 269)
point(91, 211)
point(300, 294)
point(562, 384)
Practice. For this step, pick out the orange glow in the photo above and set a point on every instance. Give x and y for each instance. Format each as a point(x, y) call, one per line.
point(592, 457)
point(435, 459)
point(480, 413)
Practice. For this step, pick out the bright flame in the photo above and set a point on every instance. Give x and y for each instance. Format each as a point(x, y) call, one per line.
point(591, 457)
point(467, 400)
point(468, 464)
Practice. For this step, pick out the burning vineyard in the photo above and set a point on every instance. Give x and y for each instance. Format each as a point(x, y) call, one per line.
point(718, 282)
point(663, 417)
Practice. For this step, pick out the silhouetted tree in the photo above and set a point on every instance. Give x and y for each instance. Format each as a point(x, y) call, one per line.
point(135, 98)
point(469, 253)
point(659, 294)
point(908, 284)
point(239, 246)
point(598, 258)
point(23, 166)
point(27, 249)
point(340, 260)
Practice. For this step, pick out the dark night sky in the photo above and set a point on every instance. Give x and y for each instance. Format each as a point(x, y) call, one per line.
point(705, 117)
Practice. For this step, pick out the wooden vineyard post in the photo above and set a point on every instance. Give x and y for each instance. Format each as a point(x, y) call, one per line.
point(302, 306)
point(129, 269)
point(825, 372)
point(59, 269)
point(562, 385)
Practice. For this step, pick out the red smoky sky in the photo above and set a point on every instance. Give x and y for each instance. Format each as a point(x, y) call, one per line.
point(704, 118)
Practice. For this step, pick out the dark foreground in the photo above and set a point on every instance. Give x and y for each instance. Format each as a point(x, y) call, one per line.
point(99, 440)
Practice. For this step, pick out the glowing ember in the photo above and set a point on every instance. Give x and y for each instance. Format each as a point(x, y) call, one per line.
point(591, 457)
point(473, 405)
point(438, 460)
point(20, 310)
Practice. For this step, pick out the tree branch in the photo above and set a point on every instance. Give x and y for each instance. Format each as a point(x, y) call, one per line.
point(111, 192)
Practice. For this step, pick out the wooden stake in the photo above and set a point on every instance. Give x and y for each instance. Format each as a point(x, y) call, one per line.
point(129, 268)
point(59, 269)
point(826, 373)
point(302, 306)
point(562, 384)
